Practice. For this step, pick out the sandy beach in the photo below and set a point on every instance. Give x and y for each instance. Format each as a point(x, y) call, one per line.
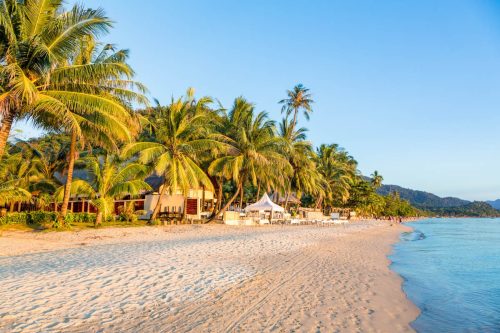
point(210, 278)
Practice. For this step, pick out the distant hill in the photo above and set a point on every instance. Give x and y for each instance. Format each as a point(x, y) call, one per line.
point(495, 204)
point(473, 209)
point(421, 199)
point(448, 206)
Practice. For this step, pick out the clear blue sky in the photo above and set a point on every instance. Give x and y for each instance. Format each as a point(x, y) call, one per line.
point(410, 88)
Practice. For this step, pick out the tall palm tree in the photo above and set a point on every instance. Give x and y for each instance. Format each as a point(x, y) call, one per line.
point(298, 99)
point(377, 179)
point(110, 179)
point(252, 148)
point(300, 156)
point(105, 76)
point(181, 137)
point(37, 36)
point(339, 171)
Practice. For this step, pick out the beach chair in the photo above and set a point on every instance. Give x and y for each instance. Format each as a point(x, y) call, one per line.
point(264, 221)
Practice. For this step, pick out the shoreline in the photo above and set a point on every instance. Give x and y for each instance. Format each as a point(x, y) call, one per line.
point(227, 278)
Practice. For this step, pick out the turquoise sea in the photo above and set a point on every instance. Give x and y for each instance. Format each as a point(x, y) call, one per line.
point(451, 271)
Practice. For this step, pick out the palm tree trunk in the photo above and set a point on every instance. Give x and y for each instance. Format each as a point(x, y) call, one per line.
point(258, 192)
point(219, 196)
point(235, 195)
point(286, 199)
point(241, 199)
point(98, 218)
point(69, 178)
point(318, 202)
point(7, 121)
point(202, 206)
point(158, 204)
point(184, 211)
point(296, 111)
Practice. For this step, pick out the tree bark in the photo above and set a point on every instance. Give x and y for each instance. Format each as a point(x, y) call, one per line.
point(219, 196)
point(241, 199)
point(235, 195)
point(258, 192)
point(286, 199)
point(318, 202)
point(98, 219)
point(184, 211)
point(69, 178)
point(216, 206)
point(296, 111)
point(158, 204)
point(202, 198)
point(7, 121)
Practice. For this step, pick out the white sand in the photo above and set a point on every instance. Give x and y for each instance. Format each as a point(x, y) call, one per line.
point(203, 279)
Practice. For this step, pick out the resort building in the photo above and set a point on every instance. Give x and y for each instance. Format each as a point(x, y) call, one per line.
point(198, 203)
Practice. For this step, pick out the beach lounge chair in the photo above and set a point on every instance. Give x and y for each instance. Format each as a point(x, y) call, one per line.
point(263, 221)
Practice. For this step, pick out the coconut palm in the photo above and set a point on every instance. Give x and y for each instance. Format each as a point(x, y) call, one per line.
point(298, 99)
point(110, 179)
point(252, 148)
point(16, 175)
point(106, 76)
point(339, 171)
point(48, 156)
point(181, 137)
point(377, 179)
point(36, 37)
point(299, 152)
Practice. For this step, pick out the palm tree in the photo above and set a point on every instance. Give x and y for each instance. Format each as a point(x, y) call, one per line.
point(16, 175)
point(48, 156)
point(181, 137)
point(339, 171)
point(299, 152)
point(107, 76)
point(110, 179)
point(298, 99)
point(252, 148)
point(377, 179)
point(37, 37)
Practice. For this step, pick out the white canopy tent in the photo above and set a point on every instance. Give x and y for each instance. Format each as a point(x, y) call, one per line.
point(264, 204)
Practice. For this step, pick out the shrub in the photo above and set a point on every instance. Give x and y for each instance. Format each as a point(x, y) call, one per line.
point(80, 218)
point(128, 217)
point(41, 217)
point(14, 218)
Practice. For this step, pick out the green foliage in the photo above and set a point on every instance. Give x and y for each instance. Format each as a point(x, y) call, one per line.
point(41, 217)
point(473, 209)
point(80, 218)
point(14, 218)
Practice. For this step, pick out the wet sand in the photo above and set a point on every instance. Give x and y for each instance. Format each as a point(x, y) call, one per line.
point(210, 278)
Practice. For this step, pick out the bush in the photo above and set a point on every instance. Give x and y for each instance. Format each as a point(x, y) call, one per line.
point(41, 217)
point(128, 217)
point(80, 218)
point(14, 218)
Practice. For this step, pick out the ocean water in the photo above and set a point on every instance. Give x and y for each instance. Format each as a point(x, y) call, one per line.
point(451, 271)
